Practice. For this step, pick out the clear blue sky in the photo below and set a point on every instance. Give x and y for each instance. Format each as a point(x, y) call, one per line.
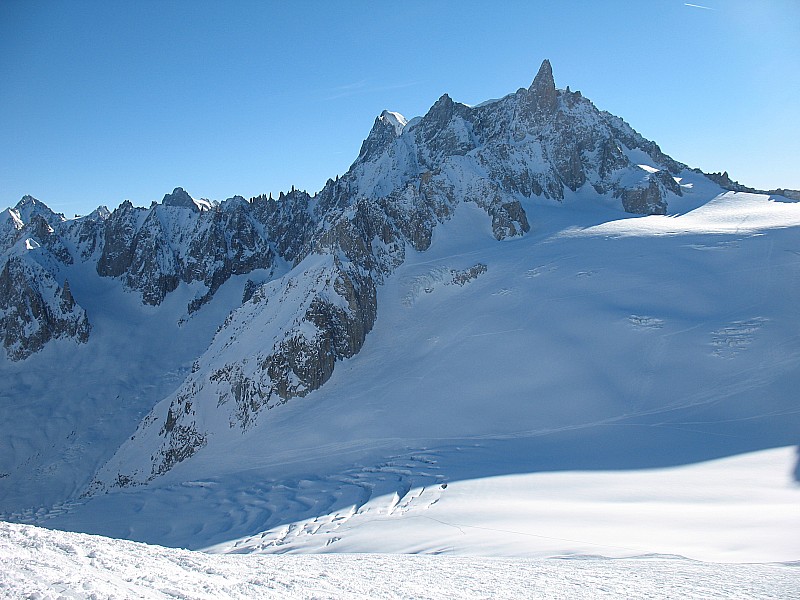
point(106, 101)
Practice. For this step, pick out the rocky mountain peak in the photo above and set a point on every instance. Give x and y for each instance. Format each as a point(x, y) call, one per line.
point(396, 120)
point(179, 197)
point(29, 206)
point(384, 131)
point(25, 201)
point(441, 110)
point(101, 213)
point(543, 88)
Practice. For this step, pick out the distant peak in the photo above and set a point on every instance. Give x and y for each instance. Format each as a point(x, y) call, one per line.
point(444, 100)
point(26, 200)
point(387, 127)
point(29, 206)
point(179, 197)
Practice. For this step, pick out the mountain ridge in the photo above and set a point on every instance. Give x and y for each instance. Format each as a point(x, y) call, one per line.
point(311, 267)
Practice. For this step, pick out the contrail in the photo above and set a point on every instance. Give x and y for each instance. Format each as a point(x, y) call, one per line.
point(699, 6)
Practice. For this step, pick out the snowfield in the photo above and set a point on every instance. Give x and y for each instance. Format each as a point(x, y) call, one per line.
point(739, 509)
point(40, 564)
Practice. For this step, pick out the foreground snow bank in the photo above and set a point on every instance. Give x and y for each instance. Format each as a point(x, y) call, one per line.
point(39, 563)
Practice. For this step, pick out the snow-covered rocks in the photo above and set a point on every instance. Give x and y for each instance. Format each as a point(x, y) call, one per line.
point(34, 309)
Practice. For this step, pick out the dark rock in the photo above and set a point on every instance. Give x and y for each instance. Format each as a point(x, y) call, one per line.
point(118, 235)
point(179, 197)
point(647, 200)
point(543, 96)
point(35, 310)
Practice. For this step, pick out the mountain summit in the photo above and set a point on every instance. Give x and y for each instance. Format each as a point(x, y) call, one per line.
point(543, 88)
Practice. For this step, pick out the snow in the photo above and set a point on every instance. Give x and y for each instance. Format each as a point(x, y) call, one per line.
point(38, 563)
point(397, 120)
point(589, 393)
point(203, 204)
point(723, 510)
point(736, 213)
point(59, 428)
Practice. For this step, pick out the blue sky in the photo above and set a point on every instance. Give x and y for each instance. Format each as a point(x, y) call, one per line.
point(106, 101)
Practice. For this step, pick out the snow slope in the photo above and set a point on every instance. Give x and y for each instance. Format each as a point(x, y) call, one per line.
point(48, 564)
point(576, 349)
point(59, 427)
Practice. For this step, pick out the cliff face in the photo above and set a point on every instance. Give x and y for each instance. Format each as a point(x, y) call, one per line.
point(34, 309)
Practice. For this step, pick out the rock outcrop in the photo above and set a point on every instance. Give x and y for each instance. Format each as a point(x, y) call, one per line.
point(34, 309)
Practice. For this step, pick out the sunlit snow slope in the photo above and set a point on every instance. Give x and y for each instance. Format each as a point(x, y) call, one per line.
point(51, 564)
point(599, 342)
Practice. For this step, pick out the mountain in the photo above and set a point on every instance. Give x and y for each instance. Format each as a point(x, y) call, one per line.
point(526, 276)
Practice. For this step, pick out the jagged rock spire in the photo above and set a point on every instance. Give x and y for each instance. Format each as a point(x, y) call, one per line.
point(543, 88)
point(67, 301)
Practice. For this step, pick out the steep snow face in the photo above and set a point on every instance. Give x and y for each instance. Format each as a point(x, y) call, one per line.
point(281, 344)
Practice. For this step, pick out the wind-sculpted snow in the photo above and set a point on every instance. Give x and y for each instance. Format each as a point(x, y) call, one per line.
point(38, 563)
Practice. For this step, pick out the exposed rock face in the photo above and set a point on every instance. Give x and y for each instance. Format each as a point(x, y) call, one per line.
point(542, 92)
point(87, 233)
point(155, 249)
point(649, 199)
point(119, 233)
point(153, 267)
point(10, 228)
point(35, 310)
point(179, 197)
